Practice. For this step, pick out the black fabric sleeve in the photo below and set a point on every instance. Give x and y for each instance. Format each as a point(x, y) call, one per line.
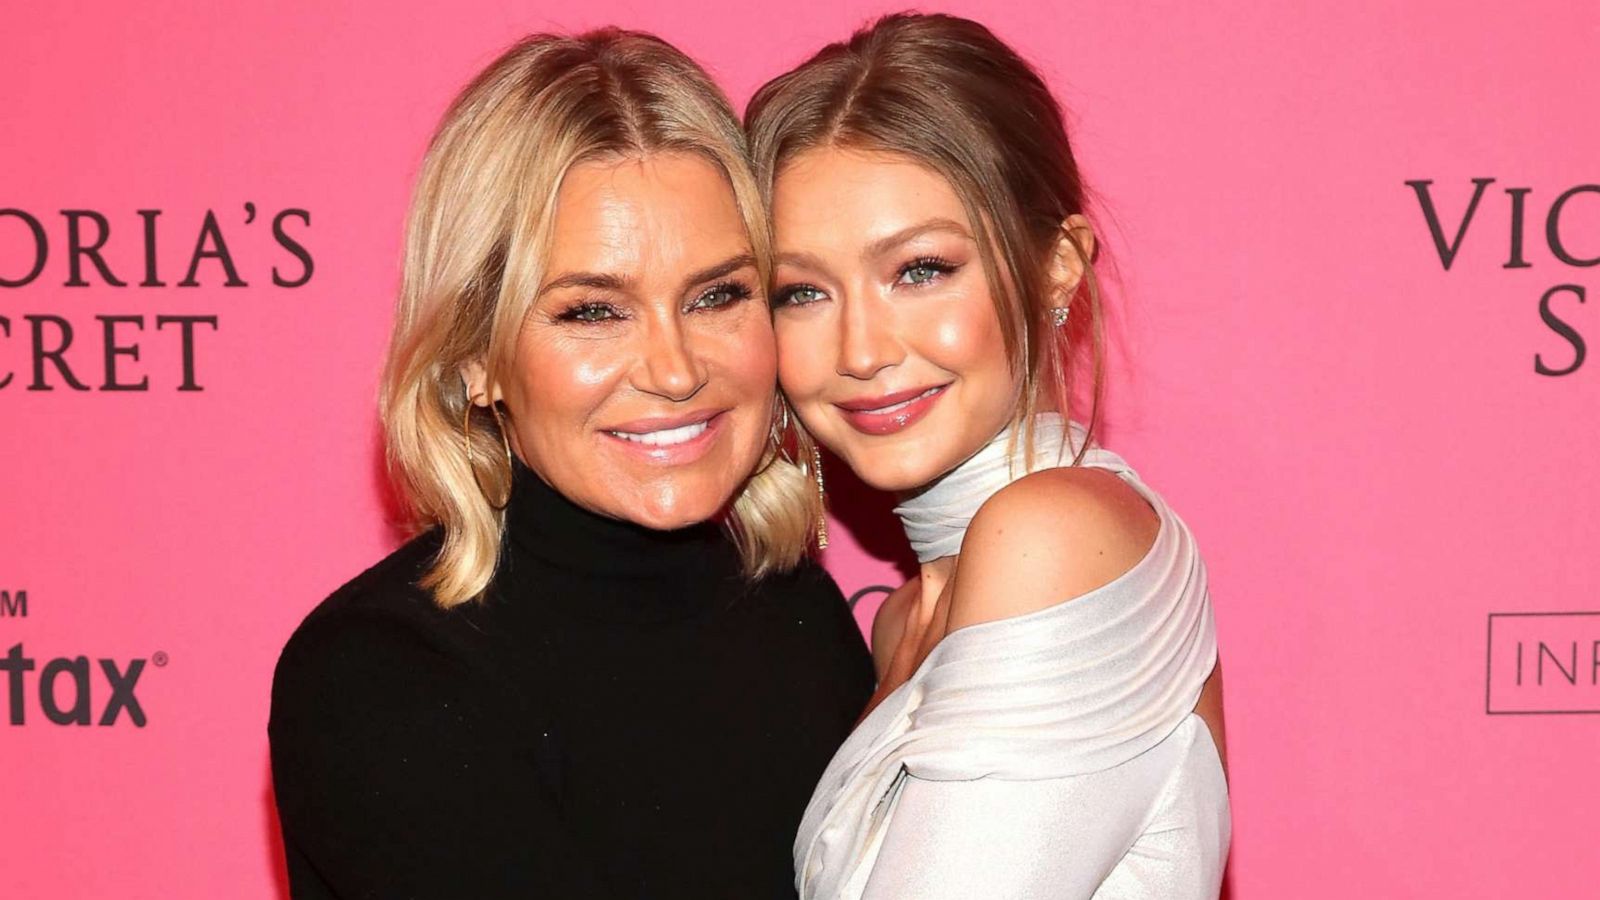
point(394, 778)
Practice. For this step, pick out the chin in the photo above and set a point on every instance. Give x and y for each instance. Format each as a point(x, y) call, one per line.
point(895, 472)
point(669, 520)
point(673, 506)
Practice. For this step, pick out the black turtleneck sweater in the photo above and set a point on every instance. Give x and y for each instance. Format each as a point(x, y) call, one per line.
point(621, 716)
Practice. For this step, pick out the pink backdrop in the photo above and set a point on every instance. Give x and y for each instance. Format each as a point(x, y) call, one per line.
point(1358, 436)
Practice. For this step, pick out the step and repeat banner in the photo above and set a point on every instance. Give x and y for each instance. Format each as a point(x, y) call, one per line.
point(1355, 254)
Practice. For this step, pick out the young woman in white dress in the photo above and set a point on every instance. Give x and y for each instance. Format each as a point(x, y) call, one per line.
point(1048, 722)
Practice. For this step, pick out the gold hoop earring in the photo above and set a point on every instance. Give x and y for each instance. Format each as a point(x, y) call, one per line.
point(822, 498)
point(466, 439)
point(777, 435)
point(780, 428)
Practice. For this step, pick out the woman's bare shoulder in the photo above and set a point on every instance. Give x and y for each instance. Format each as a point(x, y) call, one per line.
point(1047, 538)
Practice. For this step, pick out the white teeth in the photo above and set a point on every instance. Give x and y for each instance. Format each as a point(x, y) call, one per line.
point(665, 438)
point(904, 403)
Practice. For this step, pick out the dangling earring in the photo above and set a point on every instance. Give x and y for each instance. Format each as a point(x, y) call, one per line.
point(822, 498)
point(466, 439)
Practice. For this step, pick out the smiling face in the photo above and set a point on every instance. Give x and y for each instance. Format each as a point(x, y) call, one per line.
point(642, 385)
point(889, 345)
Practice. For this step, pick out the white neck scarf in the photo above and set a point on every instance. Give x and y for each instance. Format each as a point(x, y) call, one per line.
point(936, 518)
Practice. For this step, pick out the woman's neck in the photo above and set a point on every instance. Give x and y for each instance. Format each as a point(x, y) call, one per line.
point(936, 516)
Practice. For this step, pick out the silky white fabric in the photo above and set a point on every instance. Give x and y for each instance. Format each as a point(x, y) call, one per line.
point(1049, 755)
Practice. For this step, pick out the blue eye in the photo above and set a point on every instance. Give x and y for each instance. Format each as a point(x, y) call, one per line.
point(924, 270)
point(589, 313)
point(725, 294)
point(798, 295)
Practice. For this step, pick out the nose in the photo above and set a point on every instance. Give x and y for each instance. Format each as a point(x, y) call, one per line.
point(668, 365)
point(867, 344)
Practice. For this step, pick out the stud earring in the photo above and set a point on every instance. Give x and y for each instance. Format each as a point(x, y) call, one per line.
point(1059, 314)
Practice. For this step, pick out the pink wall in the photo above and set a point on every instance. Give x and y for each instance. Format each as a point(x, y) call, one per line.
point(1358, 437)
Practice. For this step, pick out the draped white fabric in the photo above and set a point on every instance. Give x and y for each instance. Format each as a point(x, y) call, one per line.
point(1079, 687)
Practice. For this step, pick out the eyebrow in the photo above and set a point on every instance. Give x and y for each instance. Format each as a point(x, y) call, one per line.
point(720, 270)
point(882, 245)
point(587, 279)
point(611, 282)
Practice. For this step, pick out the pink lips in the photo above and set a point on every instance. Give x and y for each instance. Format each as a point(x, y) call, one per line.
point(667, 440)
point(889, 413)
point(664, 423)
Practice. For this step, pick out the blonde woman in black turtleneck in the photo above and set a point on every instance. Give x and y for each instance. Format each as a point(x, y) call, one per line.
point(606, 667)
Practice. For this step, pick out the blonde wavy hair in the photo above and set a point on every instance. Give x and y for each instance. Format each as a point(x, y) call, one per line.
point(477, 242)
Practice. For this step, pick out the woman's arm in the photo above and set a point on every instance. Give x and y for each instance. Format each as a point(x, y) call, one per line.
point(1210, 709)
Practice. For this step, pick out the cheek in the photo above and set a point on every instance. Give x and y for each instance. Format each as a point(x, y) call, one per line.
point(754, 355)
point(802, 359)
point(743, 367)
point(968, 340)
point(741, 357)
point(588, 374)
point(557, 384)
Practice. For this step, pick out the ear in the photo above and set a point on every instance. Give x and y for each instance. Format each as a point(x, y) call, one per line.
point(1072, 255)
point(476, 379)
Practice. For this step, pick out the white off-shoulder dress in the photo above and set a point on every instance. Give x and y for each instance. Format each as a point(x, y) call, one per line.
point(1052, 755)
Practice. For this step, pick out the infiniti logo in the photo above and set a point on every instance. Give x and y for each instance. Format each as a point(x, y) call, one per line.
point(1543, 663)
